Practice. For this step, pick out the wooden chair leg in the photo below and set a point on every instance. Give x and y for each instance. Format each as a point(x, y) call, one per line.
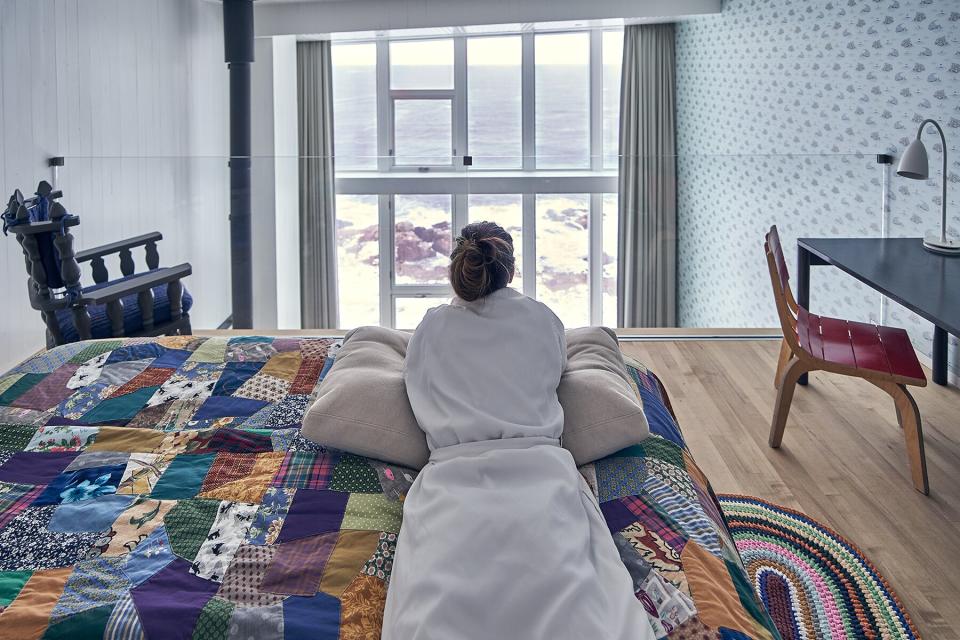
point(788, 382)
point(786, 354)
point(908, 415)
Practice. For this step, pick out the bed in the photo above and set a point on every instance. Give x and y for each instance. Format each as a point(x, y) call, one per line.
point(160, 488)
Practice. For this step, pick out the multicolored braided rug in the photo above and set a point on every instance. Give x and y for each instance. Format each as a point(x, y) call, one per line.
point(814, 582)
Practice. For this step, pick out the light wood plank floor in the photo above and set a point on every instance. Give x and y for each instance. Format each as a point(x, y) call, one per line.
point(842, 461)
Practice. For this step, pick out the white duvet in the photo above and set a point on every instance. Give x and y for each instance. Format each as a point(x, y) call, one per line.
point(501, 536)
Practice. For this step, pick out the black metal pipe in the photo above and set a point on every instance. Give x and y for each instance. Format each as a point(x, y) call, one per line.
point(238, 52)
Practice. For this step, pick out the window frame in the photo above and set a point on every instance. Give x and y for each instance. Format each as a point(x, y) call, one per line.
point(457, 180)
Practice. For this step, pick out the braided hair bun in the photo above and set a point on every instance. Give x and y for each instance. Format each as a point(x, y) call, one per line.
point(482, 262)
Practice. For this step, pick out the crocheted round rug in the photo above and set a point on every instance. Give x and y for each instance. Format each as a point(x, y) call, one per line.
point(814, 582)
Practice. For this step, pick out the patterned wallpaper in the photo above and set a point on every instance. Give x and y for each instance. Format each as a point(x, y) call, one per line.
point(781, 107)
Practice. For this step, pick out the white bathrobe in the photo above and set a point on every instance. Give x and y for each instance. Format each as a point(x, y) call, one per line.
point(502, 538)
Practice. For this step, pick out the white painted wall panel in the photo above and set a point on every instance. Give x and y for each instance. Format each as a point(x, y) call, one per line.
point(134, 94)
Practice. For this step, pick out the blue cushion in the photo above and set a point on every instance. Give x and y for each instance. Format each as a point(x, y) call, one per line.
point(132, 318)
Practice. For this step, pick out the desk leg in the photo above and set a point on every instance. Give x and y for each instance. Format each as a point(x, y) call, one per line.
point(803, 288)
point(939, 355)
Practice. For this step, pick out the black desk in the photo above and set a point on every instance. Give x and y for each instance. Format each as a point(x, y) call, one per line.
point(901, 269)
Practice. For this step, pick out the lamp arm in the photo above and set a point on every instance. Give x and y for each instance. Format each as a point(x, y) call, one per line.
point(943, 177)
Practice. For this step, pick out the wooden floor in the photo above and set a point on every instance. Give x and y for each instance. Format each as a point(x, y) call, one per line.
point(842, 461)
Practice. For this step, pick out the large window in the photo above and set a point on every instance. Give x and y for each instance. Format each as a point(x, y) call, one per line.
point(495, 101)
point(563, 100)
point(520, 129)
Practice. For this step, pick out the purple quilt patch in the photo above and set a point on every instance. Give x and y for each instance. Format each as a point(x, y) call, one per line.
point(313, 512)
point(170, 602)
point(617, 515)
point(34, 467)
point(50, 391)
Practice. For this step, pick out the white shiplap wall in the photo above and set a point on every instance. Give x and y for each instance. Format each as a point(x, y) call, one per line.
point(134, 94)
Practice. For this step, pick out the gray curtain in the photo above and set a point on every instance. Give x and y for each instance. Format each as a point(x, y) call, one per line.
point(318, 250)
point(647, 257)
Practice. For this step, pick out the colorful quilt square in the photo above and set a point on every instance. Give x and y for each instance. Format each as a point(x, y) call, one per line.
point(227, 467)
point(93, 583)
point(136, 523)
point(49, 392)
point(172, 358)
point(373, 512)
point(249, 349)
point(313, 512)
point(227, 406)
point(184, 476)
point(149, 377)
point(298, 565)
point(138, 351)
point(11, 583)
point(188, 524)
point(81, 485)
point(251, 486)
point(88, 459)
point(94, 349)
point(308, 375)
point(62, 438)
point(123, 439)
point(269, 519)
point(241, 583)
point(227, 533)
point(148, 557)
point(142, 472)
point(618, 477)
point(170, 602)
point(15, 437)
point(265, 388)
point(262, 623)
point(306, 470)
point(283, 365)
point(349, 557)
point(14, 498)
point(30, 467)
point(288, 412)
point(93, 515)
point(316, 617)
point(119, 373)
point(22, 385)
point(27, 543)
point(119, 409)
point(234, 375)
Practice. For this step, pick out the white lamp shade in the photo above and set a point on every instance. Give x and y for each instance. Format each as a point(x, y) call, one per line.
point(913, 162)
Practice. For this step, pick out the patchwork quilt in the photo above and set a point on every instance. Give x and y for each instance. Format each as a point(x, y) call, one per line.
point(160, 488)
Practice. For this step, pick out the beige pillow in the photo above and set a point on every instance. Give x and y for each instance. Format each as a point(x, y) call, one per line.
point(362, 405)
point(602, 412)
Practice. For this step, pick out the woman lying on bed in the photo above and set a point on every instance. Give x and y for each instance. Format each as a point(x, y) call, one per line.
point(501, 538)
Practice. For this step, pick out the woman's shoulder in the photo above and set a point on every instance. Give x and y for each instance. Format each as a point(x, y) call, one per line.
point(543, 311)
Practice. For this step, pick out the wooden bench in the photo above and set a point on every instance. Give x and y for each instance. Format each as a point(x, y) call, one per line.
point(883, 356)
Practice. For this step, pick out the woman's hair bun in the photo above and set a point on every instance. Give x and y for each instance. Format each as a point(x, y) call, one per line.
point(482, 261)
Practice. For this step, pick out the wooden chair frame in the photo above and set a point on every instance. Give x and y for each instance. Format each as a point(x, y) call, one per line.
point(794, 361)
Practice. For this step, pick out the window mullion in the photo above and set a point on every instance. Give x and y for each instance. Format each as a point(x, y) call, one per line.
point(459, 97)
point(386, 259)
point(384, 108)
point(595, 264)
point(596, 100)
point(528, 102)
point(529, 204)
